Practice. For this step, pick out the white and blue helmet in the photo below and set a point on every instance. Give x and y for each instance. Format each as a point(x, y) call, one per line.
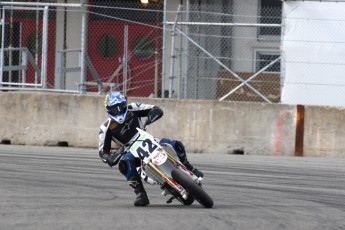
point(116, 105)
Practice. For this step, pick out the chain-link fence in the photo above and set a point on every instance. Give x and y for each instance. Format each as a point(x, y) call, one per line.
point(204, 51)
point(34, 35)
point(24, 45)
point(226, 53)
point(125, 40)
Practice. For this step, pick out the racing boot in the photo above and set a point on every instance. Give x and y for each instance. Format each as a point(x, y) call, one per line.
point(137, 185)
point(190, 167)
point(181, 151)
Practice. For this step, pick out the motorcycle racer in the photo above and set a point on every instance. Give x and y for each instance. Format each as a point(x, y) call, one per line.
point(120, 127)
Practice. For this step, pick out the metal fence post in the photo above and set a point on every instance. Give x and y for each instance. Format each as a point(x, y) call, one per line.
point(163, 47)
point(2, 44)
point(44, 48)
point(173, 56)
point(83, 47)
point(125, 60)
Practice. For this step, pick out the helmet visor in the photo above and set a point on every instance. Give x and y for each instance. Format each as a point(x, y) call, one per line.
point(117, 110)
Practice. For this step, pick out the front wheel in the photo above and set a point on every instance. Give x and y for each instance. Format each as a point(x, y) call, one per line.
point(194, 189)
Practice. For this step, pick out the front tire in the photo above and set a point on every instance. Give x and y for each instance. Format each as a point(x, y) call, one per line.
point(193, 188)
point(188, 201)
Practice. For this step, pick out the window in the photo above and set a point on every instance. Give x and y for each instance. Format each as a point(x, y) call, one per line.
point(264, 58)
point(108, 46)
point(270, 13)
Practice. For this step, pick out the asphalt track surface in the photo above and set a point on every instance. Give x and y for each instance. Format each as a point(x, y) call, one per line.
point(70, 188)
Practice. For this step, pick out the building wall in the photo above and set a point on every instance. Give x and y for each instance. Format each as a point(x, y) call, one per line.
point(243, 49)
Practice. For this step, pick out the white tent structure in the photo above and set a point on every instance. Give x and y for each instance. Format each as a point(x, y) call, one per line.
point(313, 53)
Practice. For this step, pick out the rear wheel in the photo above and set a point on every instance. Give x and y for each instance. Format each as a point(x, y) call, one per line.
point(193, 188)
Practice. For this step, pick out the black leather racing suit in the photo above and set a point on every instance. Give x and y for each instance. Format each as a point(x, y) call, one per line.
point(121, 134)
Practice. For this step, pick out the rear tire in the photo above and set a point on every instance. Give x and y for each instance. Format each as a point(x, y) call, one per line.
point(193, 188)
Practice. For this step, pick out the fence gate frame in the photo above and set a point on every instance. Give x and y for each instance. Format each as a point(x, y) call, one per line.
point(44, 58)
point(43, 72)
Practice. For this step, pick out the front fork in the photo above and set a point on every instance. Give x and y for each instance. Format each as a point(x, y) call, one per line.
point(167, 179)
point(162, 174)
point(183, 168)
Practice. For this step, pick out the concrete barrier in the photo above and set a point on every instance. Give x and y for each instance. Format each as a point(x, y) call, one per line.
point(49, 119)
point(222, 127)
point(204, 126)
point(324, 131)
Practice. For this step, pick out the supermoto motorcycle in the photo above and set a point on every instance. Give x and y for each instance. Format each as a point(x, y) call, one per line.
point(161, 166)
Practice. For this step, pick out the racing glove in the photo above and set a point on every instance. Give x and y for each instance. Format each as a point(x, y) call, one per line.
point(154, 115)
point(104, 156)
point(112, 159)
